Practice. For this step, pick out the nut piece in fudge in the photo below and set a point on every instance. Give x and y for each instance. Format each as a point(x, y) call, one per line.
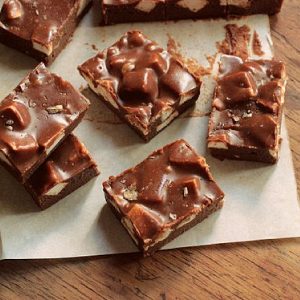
point(247, 110)
point(40, 28)
point(34, 118)
point(68, 168)
point(169, 192)
point(123, 11)
point(142, 83)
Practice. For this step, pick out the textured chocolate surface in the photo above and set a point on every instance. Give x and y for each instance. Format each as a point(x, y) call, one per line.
point(246, 117)
point(41, 27)
point(163, 193)
point(35, 117)
point(144, 84)
point(121, 11)
point(51, 180)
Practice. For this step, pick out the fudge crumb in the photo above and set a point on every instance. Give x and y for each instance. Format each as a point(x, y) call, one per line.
point(256, 45)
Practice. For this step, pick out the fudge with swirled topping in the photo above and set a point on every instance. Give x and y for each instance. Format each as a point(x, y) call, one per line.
point(142, 83)
point(168, 193)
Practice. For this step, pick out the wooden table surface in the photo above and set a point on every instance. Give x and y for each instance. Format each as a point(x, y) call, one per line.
point(265, 270)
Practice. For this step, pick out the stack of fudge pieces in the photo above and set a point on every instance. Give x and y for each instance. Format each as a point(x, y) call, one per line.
point(122, 11)
point(147, 87)
point(37, 118)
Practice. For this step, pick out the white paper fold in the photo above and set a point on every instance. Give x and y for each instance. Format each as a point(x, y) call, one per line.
point(261, 200)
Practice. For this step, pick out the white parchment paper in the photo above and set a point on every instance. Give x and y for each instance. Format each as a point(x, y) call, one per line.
point(261, 200)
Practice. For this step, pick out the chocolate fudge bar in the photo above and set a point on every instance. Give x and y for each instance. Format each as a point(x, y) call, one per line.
point(247, 109)
point(40, 28)
point(69, 167)
point(195, 9)
point(169, 192)
point(143, 84)
point(250, 7)
point(120, 11)
point(34, 118)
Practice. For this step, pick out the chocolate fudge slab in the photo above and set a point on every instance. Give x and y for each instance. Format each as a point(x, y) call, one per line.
point(68, 168)
point(143, 84)
point(40, 28)
point(247, 110)
point(169, 192)
point(195, 9)
point(120, 11)
point(250, 7)
point(35, 117)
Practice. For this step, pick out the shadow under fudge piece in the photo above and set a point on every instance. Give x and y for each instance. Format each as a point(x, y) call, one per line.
point(247, 110)
point(120, 11)
point(251, 7)
point(34, 118)
point(142, 83)
point(191, 9)
point(169, 192)
point(68, 168)
point(41, 28)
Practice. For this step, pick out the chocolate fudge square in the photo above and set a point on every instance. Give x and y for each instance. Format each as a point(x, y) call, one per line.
point(40, 28)
point(35, 117)
point(169, 192)
point(250, 7)
point(195, 9)
point(122, 11)
point(247, 110)
point(143, 84)
point(68, 168)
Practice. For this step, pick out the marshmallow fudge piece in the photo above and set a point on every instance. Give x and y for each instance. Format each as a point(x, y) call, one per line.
point(169, 192)
point(40, 28)
point(123, 11)
point(142, 83)
point(247, 110)
point(34, 118)
point(68, 168)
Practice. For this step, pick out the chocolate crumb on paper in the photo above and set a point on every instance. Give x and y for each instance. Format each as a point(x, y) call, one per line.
point(236, 41)
point(256, 45)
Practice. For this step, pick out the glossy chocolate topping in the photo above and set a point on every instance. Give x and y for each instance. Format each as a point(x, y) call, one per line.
point(34, 116)
point(125, 2)
point(67, 161)
point(171, 184)
point(37, 20)
point(141, 77)
point(248, 102)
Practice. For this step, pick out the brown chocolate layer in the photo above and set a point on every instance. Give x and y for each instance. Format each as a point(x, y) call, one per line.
point(67, 168)
point(144, 84)
point(35, 118)
point(121, 11)
point(163, 195)
point(247, 109)
point(41, 28)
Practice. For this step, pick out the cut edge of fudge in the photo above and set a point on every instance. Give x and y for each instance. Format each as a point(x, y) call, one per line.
point(219, 144)
point(45, 53)
point(172, 229)
point(23, 117)
point(61, 187)
point(106, 89)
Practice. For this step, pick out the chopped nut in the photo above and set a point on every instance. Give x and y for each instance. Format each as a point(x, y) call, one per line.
point(10, 128)
point(22, 86)
point(236, 118)
point(130, 194)
point(247, 114)
point(128, 67)
point(13, 9)
point(185, 192)
point(55, 109)
point(9, 123)
point(173, 216)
